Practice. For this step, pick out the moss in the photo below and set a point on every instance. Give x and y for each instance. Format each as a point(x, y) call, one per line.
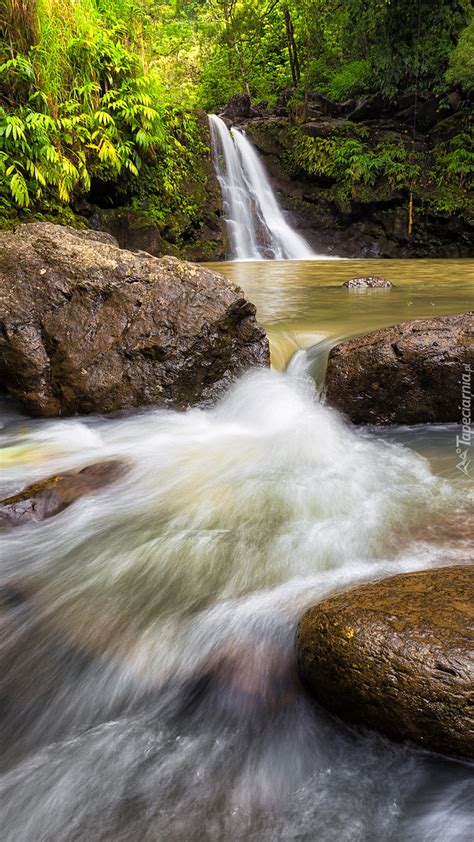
point(377, 164)
point(50, 212)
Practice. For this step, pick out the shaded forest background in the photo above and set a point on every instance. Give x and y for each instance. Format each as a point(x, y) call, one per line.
point(98, 93)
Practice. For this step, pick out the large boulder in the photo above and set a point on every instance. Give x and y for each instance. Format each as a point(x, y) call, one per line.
point(88, 327)
point(410, 373)
point(397, 655)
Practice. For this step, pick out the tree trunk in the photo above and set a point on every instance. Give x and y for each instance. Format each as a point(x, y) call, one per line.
point(292, 50)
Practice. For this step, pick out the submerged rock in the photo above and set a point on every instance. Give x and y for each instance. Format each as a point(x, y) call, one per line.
point(88, 327)
point(49, 497)
point(397, 656)
point(410, 373)
point(369, 282)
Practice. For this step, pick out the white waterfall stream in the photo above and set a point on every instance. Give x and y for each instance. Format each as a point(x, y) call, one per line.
point(256, 226)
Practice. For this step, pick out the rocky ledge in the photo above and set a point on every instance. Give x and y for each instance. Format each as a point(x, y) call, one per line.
point(397, 656)
point(88, 327)
point(410, 373)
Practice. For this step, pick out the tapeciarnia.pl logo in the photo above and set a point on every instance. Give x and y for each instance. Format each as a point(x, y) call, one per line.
point(463, 441)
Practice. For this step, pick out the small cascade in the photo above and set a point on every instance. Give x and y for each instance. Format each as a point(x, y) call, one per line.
point(255, 223)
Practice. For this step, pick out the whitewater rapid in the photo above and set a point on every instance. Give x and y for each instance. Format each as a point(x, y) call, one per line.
point(149, 688)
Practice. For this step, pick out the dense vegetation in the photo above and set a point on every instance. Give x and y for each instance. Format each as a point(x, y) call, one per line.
point(105, 91)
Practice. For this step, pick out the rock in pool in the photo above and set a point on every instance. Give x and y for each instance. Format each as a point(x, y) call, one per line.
point(409, 373)
point(397, 656)
point(368, 282)
point(88, 327)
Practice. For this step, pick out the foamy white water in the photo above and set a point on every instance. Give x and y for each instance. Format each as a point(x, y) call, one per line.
point(256, 226)
point(148, 687)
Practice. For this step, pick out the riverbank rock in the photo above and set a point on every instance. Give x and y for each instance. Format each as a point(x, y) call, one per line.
point(397, 656)
point(88, 327)
point(369, 282)
point(49, 497)
point(410, 373)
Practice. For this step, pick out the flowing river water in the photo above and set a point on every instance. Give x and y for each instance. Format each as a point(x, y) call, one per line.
point(147, 686)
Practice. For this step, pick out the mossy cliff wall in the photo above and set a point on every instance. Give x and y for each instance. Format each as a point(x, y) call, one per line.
point(347, 185)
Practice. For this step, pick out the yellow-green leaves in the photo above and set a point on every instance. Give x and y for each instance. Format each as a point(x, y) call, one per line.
point(18, 188)
point(59, 149)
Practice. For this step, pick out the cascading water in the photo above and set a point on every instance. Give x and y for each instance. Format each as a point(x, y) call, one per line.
point(147, 687)
point(255, 223)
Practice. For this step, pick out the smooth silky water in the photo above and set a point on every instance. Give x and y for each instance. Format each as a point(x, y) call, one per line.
point(148, 688)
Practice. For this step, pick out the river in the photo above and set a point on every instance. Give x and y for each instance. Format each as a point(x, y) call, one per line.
point(147, 689)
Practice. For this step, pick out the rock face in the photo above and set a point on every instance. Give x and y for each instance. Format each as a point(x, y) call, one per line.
point(369, 222)
point(49, 497)
point(410, 373)
point(397, 656)
point(369, 282)
point(88, 327)
point(238, 106)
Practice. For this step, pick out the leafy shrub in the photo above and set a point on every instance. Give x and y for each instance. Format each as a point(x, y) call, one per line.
point(461, 62)
point(349, 160)
point(352, 79)
point(451, 175)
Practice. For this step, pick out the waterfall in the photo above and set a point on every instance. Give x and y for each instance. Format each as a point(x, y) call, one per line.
point(256, 227)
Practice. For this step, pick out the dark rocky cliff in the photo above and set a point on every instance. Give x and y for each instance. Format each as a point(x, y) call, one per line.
point(345, 173)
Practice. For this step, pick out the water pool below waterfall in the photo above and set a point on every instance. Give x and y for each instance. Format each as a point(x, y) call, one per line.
point(148, 688)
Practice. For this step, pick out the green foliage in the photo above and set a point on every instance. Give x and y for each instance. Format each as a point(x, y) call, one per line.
point(97, 115)
point(217, 82)
point(103, 91)
point(350, 161)
point(351, 80)
point(407, 43)
point(374, 171)
point(461, 60)
point(451, 174)
point(40, 150)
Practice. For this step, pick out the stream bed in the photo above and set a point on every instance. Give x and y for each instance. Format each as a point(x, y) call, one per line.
point(147, 686)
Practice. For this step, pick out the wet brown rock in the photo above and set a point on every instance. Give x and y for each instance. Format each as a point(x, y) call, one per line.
point(410, 373)
point(48, 497)
point(397, 656)
point(88, 327)
point(368, 282)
